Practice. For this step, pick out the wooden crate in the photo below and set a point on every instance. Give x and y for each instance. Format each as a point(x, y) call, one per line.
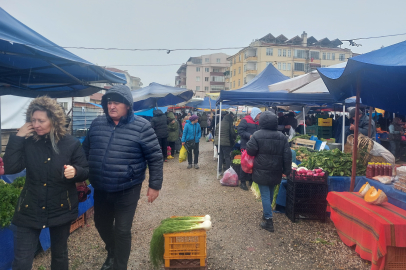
point(78, 223)
point(395, 258)
point(303, 143)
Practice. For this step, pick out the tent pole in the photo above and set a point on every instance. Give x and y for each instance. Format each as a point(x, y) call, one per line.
point(355, 145)
point(343, 131)
point(218, 145)
point(1, 143)
point(369, 124)
point(304, 120)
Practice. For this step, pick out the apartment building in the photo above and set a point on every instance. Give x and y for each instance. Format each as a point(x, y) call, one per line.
point(292, 57)
point(204, 74)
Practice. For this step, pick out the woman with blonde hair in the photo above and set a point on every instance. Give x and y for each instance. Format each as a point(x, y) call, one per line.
point(54, 161)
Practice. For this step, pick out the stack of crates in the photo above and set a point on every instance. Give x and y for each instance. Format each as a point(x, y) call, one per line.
point(306, 200)
point(325, 128)
point(311, 130)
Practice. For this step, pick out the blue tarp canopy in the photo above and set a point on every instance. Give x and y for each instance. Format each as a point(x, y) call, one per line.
point(158, 95)
point(150, 112)
point(207, 103)
point(260, 83)
point(31, 65)
point(380, 76)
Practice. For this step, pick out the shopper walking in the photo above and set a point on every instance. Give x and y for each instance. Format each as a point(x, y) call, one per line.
point(227, 139)
point(159, 123)
point(273, 158)
point(245, 129)
point(203, 124)
point(54, 161)
point(190, 139)
point(173, 132)
point(119, 146)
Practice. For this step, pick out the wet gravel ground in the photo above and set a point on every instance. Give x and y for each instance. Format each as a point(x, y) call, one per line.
point(236, 240)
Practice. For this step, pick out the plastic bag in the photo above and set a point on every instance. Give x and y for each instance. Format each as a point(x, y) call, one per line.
point(230, 178)
point(215, 153)
point(207, 138)
point(247, 162)
point(291, 133)
point(182, 154)
point(210, 136)
point(168, 151)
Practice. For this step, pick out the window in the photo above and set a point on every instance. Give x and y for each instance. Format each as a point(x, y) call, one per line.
point(333, 56)
point(216, 70)
point(197, 78)
point(239, 82)
point(328, 56)
point(279, 52)
point(239, 58)
point(197, 69)
point(299, 66)
point(217, 79)
point(197, 88)
point(183, 86)
point(234, 72)
point(245, 80)
point(206, 79)
point(64, 105)
point(300, 54)
point(269, 51)
point(279, 65)
point(218, 60)
point(206, 88)
point(239, 70)
point(324, 56)
point(206, 60)
point(197, 60)
point(284, 66)
point(206, 69)
point(341, 57)
point(217, 87)
point(289, 66)
point(284, 53)
point(314, 55)
point(289, 53)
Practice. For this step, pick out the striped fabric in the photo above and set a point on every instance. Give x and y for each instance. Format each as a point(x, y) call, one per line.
point(370, 227)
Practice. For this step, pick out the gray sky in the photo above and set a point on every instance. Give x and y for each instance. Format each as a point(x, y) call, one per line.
point(200, 24)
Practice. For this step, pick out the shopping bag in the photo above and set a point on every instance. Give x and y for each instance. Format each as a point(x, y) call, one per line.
point(230, 178)
point(207, 138)
point(210, 136)
point(247, 162)
point(292, 133)
point(182, 154)
point(215, 152)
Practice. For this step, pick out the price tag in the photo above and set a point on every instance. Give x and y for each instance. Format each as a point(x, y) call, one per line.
point(322, 146)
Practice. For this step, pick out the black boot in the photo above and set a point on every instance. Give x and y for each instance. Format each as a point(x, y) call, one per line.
point(243, 185)
point(108, 264)
point(267, 225)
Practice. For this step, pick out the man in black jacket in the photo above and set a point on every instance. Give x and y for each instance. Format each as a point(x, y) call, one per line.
point(119, 146)
point(159, 123)
point(273, 158)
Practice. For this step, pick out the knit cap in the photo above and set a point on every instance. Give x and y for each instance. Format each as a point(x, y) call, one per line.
point(254, 112)
point(193, 118)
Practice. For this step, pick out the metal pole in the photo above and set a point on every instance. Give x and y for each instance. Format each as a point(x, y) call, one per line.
point(343, 131)
point(369, 124)
point(304, 120)
point(355, 146)
point(218, 145)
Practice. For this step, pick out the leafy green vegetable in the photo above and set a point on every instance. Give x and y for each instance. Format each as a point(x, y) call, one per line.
point(8, 200)
point(18, 182)
point(275, 195)
point(303, 136)
point(237, 161)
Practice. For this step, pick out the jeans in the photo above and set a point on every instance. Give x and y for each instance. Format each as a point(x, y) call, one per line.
point(225, 155)
point(172, 146)
point(163, 143)
point(195, 150)
point(26, 241)
point(267, 198)
point(113, 218)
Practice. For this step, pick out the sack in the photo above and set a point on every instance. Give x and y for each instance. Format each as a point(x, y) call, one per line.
point(247, 162)
point(230, 178)
point(182, 154)
point(83, 191)
point(168, 151)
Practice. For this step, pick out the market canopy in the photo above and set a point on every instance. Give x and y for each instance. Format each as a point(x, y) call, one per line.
point(31, 65)
point(158, 95)
point(206, 103)
point(379, 75)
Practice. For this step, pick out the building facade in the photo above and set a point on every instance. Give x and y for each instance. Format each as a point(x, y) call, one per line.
point(292, 57)
point(204, 74)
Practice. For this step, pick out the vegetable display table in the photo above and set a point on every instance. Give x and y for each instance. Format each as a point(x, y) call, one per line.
point(372, 228)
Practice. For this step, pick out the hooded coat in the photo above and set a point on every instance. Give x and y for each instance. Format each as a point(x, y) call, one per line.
point(173, 128)
point(118, 155)
point(246, 128)
point(48, 199)
point(203, 120)
point(227, 135)
point(159, 124)
point(271, 149)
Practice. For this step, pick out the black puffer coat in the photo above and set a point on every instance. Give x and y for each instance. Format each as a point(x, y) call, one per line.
point(270, 147)
point(48, 199)
point(159, 123)
point(118, 154)
point(203, 120)
point(245, 129)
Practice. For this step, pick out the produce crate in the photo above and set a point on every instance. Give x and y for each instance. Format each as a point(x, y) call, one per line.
point(303, 142)
point(294, 177)
point(306, 201)
point(325, 132)
point(312, 130)
point(395, 258)
point(325, 122)
point(78, 223)
point(185, 246)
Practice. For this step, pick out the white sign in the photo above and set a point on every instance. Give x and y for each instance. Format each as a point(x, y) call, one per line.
point(322, 146)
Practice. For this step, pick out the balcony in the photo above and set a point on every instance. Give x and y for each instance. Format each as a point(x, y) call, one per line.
point(216, 73)
point(217, 83)
point(251, 58)
point(251, 71)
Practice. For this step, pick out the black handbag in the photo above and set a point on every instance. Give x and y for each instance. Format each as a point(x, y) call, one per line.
point(191, 143)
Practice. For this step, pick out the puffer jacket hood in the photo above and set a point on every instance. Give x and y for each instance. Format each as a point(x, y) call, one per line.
point(170, 115)
point(157, 113)
point(123, 91)
point(268, 120)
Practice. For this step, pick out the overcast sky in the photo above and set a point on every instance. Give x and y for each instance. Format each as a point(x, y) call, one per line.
point(174, 24)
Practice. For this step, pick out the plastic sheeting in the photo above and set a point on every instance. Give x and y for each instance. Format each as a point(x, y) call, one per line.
point(380, 76)
point(158, 95)
point(32, 65)
point(207, 103)
point(13, 110)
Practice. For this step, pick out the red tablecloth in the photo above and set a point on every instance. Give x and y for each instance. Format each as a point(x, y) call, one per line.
point(370, 227)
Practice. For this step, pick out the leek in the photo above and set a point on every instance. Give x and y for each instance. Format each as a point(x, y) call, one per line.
point(275, 195)
point(255, 190)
